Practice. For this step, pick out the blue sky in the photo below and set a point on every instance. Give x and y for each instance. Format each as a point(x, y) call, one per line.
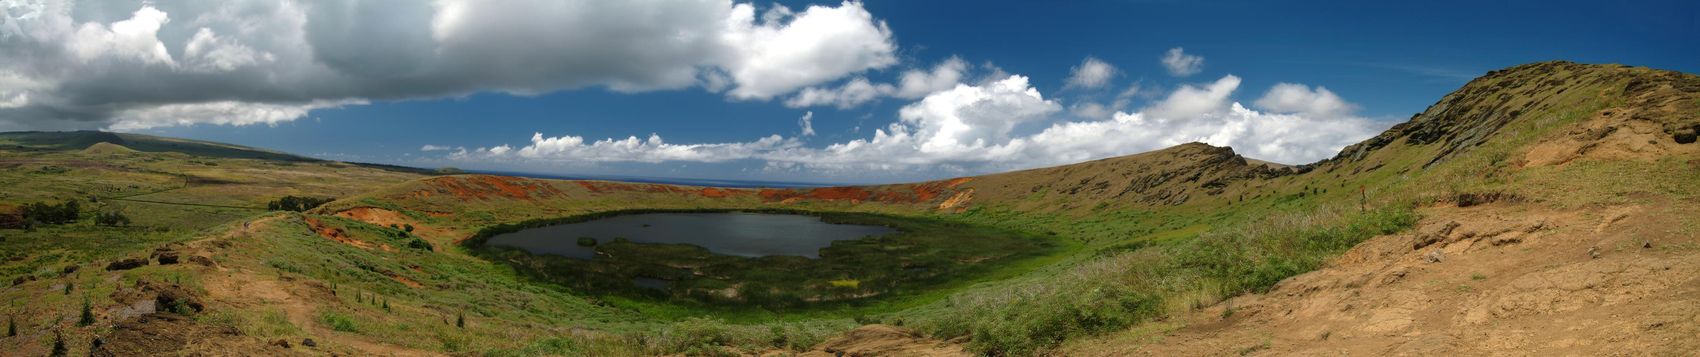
point(1349, 69)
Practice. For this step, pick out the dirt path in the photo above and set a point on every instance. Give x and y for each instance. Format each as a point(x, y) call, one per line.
point(880, 340)
point(1486, 280)
point(184, 204)
point(239, 288)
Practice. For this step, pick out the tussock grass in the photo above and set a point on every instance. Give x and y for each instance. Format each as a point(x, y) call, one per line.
point(1116, 291)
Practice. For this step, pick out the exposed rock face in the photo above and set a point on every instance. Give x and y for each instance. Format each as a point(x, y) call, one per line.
point(1167, 177)
point(1472, 115)
point(1433, 233)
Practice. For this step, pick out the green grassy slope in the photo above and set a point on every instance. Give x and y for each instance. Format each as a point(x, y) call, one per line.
point(1187, 226)
point(1139, 238)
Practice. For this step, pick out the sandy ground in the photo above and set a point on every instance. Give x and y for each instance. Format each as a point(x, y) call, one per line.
point(1487, 280)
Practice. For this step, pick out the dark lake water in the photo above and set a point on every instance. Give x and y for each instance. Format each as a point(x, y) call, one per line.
point(728, 233)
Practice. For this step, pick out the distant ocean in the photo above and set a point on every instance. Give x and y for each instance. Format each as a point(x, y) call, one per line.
point(665, 180)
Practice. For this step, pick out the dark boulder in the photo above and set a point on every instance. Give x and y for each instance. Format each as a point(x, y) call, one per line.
point(168, 258)
point(172, 296)
point(166, 255)
point(126, 264)
point(202, 260)
point(1685, 136)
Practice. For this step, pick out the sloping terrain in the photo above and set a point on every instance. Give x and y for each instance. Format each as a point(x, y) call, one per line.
point(1541, 209)
point(1548, 230)
point(1492, 279)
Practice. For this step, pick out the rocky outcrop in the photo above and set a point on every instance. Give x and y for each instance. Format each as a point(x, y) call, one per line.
point(1476, 113)
point(126, 264)
point(1167, 177)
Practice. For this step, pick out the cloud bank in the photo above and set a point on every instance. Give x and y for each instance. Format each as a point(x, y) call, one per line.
point(120, 65)
point(980, 128)
point(912, 84)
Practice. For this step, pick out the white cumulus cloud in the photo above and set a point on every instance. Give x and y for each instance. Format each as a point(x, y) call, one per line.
point(1091, 73)
point(817, 45)
point(276, 57)
point(1181, 64)
point(806, 124)
point(913, 83)
point(978, 128)
point(1297, 98)
point(631, 149)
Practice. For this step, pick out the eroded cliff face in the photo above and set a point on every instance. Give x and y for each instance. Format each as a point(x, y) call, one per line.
point(1626, 97)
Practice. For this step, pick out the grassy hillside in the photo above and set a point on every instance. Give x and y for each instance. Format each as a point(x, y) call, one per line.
point(1137, 241)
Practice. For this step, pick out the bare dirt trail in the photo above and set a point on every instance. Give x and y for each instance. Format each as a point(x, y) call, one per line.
point(1498, 279)
point(239, 288)
point(880, 340)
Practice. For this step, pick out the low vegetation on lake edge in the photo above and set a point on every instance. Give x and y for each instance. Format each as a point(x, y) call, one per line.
point(922, 254)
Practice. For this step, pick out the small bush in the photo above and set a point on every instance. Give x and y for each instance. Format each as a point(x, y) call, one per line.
point(111, 219)
point(339, 322)
point(864, 320)
point(297, 204)
point(87, 316)
point(41, 212)
point(58, 346)
point(419, 244)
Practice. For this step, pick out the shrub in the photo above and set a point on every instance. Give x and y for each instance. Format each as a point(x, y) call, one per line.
point(339, 322)
point(111, 219)
point(297, 204)
point(41, 212)
point(58, 346)
point(419, 244)
point(88, 314)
